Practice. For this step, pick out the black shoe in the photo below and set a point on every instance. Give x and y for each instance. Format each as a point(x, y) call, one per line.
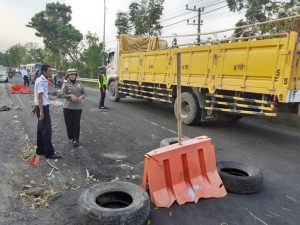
point(103, 107)
point(39, 152)
point(72, 141)
point(56, 155)
point(75, 144)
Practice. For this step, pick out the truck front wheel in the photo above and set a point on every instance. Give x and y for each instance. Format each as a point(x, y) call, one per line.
point(189, 108)
point(113, 91)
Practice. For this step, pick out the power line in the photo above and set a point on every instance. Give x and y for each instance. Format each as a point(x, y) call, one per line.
point(194, 16)
point(179, 9)
point(186, 13)
point(174, 17)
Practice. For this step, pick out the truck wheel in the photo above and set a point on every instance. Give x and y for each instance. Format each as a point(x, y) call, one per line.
point(240, 178)
point(113, 91)
point(189, 108)
point(114, 203)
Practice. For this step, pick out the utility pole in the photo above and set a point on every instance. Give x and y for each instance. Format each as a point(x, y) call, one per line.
point(103, 47)
point(200, 22)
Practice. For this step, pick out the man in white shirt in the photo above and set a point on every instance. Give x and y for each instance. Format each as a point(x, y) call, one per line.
point(25, 76)
point(44, 127)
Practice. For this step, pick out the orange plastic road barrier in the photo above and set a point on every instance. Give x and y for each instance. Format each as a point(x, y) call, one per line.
point(20, 89)
point(182, 173)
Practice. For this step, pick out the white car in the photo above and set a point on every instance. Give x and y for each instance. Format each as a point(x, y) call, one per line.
point(3, 74)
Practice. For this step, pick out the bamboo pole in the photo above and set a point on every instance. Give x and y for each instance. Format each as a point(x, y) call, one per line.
point(179, 124)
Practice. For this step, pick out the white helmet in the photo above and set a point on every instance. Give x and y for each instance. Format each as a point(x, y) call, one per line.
point(71, 71)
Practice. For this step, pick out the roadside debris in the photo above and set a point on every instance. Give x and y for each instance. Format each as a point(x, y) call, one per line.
point(4, 108)
point(31, 157)
point(36, 191)
point(37, 197)
point(116, 179)
point(51, 165)
point(56, 124)
point(50, 174)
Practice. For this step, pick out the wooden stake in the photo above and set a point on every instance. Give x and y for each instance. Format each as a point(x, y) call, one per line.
point(179, 127)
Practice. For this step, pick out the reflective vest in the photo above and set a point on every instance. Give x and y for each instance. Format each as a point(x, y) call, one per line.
point(102, 80)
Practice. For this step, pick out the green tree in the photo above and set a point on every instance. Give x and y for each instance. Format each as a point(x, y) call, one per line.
point(53, 25)
point(16, 55)
point(34, 53)
point(2, 59)
point(122, 23)
point(143, 18)
point(92, 55)
point(262, 10)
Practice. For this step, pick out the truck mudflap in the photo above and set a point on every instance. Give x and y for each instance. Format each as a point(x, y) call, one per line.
point(239, 105)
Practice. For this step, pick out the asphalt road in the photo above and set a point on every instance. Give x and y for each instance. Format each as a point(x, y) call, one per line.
point(112, 145)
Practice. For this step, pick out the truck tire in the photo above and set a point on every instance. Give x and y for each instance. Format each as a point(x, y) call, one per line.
point(114, 203)
point(189, 108)
point(113, 91)
point(240, 178)
point(170, 141)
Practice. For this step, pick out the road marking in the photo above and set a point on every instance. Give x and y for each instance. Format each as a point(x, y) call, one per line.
point(260, 220)
point(293, 199)
point(164, 128)
point(272, 213)
point(20, 101)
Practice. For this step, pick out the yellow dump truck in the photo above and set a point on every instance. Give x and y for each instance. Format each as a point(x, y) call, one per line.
point(220, 80)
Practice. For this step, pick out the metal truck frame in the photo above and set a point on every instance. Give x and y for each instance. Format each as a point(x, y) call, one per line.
point(222, 80)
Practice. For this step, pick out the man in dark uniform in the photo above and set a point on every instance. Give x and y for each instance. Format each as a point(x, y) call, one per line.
point(44, 128)
point(102, 83)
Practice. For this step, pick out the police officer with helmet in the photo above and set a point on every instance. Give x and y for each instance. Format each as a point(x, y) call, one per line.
point(74, 93)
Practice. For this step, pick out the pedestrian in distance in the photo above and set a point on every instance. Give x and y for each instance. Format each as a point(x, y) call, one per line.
point(102, 83)
point(44, 127)
point(25, 76)
point(74, 93)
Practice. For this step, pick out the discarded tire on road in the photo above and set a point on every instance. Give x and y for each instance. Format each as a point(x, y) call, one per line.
point(239, 177)
point(171, 141)
point(115, 203)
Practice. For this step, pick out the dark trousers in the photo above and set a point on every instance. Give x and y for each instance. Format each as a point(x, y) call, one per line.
point(102, 96)
point(26, 81)
point(72, 120)
point(44, 133)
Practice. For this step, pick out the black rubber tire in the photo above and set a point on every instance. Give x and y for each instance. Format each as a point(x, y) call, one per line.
point(239, 177)
point(190, 117)
point(170, 141)
point(113, 91)
point(137, 212)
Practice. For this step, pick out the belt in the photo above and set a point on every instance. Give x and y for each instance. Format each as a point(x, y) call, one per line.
point(43, 105)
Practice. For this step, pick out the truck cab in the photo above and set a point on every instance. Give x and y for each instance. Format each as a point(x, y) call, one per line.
point(112, 74)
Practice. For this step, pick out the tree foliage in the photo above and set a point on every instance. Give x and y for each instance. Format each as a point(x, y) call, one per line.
point(143, 17)
point(263, 10)
point(92, 54)
point(122, 23)
point(53, 25)
point(16, 55)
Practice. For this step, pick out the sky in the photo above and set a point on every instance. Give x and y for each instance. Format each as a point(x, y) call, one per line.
point(87, 16)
